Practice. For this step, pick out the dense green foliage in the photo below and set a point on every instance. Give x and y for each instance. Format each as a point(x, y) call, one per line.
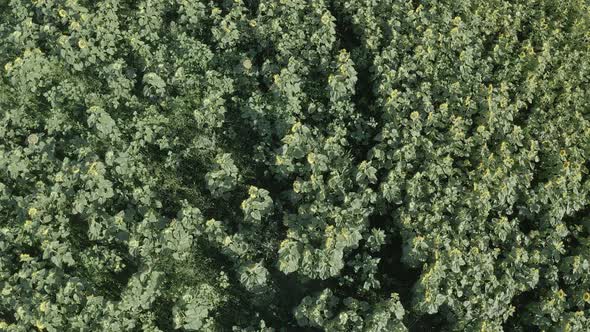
point(294, 165)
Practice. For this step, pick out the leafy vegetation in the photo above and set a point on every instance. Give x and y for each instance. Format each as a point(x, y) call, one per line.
point(294, 165)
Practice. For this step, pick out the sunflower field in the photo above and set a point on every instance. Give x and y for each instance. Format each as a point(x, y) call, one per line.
point(294, 165)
